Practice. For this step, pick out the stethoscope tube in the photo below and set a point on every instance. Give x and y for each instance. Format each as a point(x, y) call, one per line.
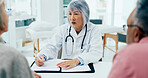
point(84, 36)
point(69, 35)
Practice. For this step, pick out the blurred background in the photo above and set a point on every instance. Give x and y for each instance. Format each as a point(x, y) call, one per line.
point(53, 13)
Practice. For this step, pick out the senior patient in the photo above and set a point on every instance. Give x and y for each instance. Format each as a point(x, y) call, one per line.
point(79, 39)
point(131, 62)
point(12, 63)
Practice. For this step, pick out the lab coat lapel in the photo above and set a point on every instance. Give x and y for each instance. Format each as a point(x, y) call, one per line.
point(73, 32)
point(82, 33)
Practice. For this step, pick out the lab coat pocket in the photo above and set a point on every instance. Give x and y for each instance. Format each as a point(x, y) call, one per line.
point(88, 46)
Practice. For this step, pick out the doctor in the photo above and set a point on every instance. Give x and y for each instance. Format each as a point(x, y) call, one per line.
point(80, 40)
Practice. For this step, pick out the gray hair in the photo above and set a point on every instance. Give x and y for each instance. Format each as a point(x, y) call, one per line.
point(82, 7)
point(141, 14)
point(1, 1)
point(1, 21)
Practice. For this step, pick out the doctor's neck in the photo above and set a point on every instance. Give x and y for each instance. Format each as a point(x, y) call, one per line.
point(78, 32)
point(78, 28)
point(1, 32)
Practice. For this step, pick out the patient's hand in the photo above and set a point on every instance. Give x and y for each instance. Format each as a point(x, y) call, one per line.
point(36, 75)
point(39, 62)
point(69, 64)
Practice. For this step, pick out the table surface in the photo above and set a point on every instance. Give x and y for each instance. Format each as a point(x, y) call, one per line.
point(102, 70)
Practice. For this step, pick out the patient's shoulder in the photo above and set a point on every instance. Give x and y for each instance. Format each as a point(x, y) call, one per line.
point(8, 51)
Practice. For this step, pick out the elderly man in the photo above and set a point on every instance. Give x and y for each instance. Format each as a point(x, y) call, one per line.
point(131, 61)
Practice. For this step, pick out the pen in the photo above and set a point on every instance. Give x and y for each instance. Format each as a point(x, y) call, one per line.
point(34, 61)
point(66, 59)
point(32, 64)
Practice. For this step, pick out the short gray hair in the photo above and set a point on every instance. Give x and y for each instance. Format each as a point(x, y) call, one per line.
point(141, 14)
point(1, 1)
point(82, 7)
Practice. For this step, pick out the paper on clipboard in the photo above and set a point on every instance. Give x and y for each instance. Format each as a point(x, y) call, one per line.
point(77, 69)
point(51, 65)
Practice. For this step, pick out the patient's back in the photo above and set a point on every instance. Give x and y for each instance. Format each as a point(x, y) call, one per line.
point(13, 64)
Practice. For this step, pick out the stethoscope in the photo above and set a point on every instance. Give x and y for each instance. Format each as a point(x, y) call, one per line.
point(69, 36)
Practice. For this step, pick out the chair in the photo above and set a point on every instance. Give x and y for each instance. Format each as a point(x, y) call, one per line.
point(116, 37)
point(106, 31)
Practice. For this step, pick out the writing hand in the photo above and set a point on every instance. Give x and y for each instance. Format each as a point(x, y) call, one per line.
point(39, 60)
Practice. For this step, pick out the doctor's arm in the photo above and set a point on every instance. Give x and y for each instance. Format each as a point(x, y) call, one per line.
point(50, 50)
point(94, 50)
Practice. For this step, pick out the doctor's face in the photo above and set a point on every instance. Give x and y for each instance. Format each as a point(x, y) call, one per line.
point(76, 20)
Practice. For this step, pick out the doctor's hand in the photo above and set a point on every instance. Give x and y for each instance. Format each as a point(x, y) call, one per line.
point(39, 60)
point(69, 64)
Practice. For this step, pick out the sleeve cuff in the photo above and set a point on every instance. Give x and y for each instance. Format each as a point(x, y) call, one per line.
point(45, 57)
point(81, 61)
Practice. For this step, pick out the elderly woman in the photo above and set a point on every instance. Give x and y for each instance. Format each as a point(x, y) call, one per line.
point(13, 64)
point(80, 40)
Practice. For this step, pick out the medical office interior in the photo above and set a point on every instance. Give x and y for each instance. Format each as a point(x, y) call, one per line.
point(32, 24)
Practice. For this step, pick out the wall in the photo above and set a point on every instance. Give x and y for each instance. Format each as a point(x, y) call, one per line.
point(51, 11)
point(92, 6)
point(123, 8)
point(109, 13)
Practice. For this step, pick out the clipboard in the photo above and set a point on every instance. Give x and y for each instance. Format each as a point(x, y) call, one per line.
point(90, 65)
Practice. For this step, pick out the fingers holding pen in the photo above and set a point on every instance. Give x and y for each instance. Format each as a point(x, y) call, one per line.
point(42, 58)
point(39, 60)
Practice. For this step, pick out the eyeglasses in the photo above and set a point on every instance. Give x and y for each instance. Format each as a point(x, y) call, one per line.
point(125, 27)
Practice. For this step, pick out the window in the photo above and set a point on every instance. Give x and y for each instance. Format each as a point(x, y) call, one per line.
point(112, 12)
point(100, 9)
point(123, 8)
point(23, 7)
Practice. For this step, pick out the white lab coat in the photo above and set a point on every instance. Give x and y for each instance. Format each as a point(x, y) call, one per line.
point(92, 48)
